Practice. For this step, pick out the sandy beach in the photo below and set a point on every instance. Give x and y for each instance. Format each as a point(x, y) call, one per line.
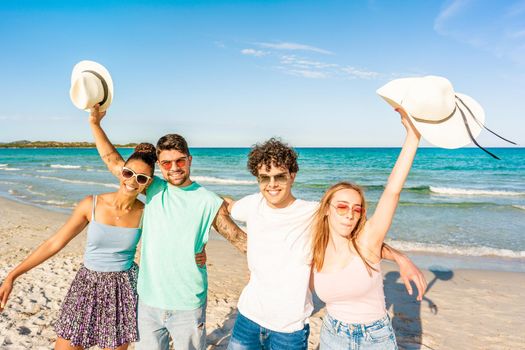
point(463, 309)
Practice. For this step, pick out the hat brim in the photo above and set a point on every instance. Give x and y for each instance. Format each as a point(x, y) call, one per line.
point(453, 133)
point(100, 69)
point(449, 134)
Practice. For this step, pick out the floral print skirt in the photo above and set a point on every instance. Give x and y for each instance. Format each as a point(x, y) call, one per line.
point(100, 309)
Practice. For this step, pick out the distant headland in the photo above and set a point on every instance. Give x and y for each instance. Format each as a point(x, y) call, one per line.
point(55, 144)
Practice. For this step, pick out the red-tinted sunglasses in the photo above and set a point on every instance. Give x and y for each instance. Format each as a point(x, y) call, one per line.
point(343, 209)
point(167, 164)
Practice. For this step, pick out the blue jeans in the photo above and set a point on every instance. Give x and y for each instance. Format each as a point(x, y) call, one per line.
point(377, 335)
point(187, 328)
point(248, 335)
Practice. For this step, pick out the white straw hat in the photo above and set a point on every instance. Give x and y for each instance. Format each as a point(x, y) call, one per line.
point(444, 117)
point(91, 84)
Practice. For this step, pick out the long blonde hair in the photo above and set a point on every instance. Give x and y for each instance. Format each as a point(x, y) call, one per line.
point(321, 229)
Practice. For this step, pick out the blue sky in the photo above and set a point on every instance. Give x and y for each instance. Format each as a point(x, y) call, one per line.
point(232, 73)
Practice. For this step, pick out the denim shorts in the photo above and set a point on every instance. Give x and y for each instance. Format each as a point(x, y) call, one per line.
point(376, 335)
point(249, 335)
point(187, 328)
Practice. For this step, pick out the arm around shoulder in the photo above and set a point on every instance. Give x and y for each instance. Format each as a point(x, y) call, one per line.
point(408, 271)
point(227, 228)
point(229, 203)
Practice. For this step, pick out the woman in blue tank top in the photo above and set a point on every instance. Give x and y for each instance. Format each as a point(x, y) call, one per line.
point(101, 305)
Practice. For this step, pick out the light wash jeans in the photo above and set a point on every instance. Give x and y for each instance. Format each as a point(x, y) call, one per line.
point(248, 335)
point(377, 335)
point(187, 328)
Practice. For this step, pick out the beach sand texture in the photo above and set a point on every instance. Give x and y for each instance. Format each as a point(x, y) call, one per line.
point(463, 309)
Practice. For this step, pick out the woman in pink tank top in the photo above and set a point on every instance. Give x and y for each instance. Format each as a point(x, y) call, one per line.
point(347, 256)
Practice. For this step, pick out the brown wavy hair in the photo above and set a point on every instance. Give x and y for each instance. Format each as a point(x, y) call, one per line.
point(321, 229)
point(272, 151)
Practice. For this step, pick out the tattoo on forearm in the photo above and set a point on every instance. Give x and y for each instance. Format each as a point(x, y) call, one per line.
point(106, 156)
point(229, 230)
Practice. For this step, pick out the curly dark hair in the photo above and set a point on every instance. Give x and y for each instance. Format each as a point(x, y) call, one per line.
point(145, 152)
point(272, 151)
point(172, 142)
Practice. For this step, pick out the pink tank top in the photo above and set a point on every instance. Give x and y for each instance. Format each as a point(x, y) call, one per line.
point(351, 294)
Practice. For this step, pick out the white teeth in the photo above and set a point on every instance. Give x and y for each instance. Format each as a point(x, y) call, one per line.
point(273, 193)
point(130, 188)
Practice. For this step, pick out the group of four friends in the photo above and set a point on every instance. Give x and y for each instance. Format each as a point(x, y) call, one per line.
point(293, 247)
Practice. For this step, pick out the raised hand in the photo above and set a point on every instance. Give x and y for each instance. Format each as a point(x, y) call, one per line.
point(407, 123)
point(95, 116)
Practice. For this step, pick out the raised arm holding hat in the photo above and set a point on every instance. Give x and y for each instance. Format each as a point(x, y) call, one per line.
point(445, 118)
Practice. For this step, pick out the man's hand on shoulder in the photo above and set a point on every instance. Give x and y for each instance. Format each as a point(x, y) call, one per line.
point(229, 203)
point(224, 224)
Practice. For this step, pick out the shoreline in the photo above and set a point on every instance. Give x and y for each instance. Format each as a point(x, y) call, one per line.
point(424, 259)
point(442, 321)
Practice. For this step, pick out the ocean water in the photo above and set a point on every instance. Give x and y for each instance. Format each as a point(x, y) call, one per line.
point(455, 201)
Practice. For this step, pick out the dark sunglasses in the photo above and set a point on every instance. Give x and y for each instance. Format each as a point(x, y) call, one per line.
point(280, 179)
point(343, 209)
point(180, 163)
point(141, 179)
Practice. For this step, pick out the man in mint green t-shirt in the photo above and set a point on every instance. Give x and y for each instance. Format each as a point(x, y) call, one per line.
point(177, 219)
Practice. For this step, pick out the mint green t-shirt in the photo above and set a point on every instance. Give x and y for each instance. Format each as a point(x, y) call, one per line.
point(176, 226)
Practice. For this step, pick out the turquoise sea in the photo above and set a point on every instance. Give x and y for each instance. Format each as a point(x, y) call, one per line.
point(459, 202)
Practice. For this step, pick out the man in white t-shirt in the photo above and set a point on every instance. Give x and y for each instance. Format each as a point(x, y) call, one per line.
point(274, 306)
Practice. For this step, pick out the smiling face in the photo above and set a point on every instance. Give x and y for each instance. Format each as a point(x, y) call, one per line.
point(275, 185)
point(344, 212)
point(175, 167)
point(131, 185)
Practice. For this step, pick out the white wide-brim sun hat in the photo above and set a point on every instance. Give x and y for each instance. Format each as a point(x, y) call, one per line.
point(91, 83)
point(444, 117)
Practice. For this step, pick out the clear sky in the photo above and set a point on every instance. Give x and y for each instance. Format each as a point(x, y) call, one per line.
point(232, 73)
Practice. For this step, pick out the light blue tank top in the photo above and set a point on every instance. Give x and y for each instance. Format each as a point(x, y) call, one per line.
point(110, 248)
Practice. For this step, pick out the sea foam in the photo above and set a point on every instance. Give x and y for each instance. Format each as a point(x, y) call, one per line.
point(60, 166)
point(473, 192)
point(80, 182)
point(30, 190)
point(455, 250)
point(9, 169)
point(220, 181)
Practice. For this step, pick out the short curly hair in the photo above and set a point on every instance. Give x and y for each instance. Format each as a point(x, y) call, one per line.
point(272, 152)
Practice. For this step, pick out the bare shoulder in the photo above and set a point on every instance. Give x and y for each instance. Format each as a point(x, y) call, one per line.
point(102, 201)
point(84, 206)
point(370, 248)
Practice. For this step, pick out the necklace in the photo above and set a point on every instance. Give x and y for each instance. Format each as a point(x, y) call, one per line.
point(126, 212)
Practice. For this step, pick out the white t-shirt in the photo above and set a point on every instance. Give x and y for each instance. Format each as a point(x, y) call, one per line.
point(277, 296)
